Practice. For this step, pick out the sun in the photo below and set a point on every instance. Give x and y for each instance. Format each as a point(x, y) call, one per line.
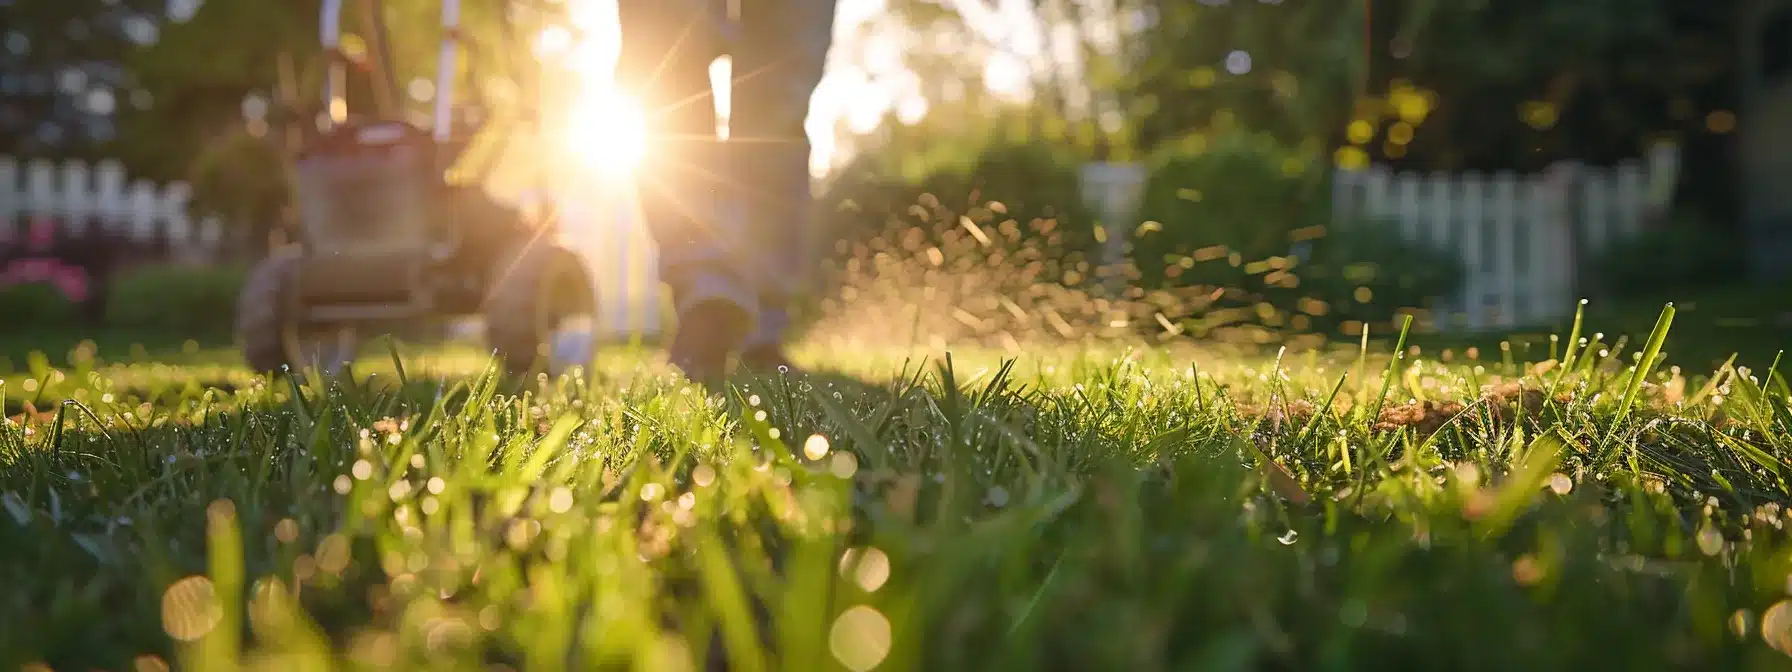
point(607, 130)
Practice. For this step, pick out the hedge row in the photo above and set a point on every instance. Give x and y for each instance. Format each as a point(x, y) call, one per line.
point(194, 300)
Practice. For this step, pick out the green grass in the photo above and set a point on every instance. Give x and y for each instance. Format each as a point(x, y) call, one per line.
point(1179, 508)
point(1711, 325)
point(63, 345)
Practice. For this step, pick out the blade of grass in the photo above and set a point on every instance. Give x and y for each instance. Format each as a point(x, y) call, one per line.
point(1651, 352)
point(1716, 380)
point(1523, 485)
point(224, 550)
point(1567, 363)
point(1362, 362)
point(404, 380)
point(1387, 379)
point(1313, 422)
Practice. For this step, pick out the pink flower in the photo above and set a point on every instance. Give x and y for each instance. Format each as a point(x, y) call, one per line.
point(41, 234)
point(32, 270)
point(74, 284)
point(72, 281)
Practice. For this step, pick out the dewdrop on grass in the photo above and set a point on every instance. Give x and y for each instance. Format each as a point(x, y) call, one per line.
point(651, 492)
point(561, 500)
point(860, 638)
point(997, 497)
point(816, 447)
point(844, 465)
point(868, 567)
point(1560, 483)
point(703, 475)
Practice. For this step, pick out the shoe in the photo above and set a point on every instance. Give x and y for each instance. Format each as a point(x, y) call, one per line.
point(766, 359)
point(713, 321)
point(708, 332)
point(764, 349)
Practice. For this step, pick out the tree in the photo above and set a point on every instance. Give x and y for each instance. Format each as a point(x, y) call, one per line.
point(1511, 84)
point(1292, 70)
point(201, 71)
point(1525, 83)
point(61, 74)
point(1070, 73)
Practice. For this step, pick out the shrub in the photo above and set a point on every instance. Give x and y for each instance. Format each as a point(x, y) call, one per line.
point(1017, 195)
point(32, 304)
point(1372, 260)
point(1253, 218)
point(175, 298)
point(241, 179)
point(1685, 253)
point(1240, 198)
point(1030, 181)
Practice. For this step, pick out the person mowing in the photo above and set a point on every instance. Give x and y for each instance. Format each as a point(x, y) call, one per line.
point(731, 219)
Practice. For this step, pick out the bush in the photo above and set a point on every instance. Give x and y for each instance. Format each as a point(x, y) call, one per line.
point(1241, 198)
point(1018, 196)
point(34, 304)
point(1253, 218)
point(1373, 258)
point(242, 179)
point(1029, 181)
point(180, 299)
point(1684, 254)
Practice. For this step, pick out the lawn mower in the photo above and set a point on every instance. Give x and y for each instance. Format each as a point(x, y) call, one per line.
point(385, 241)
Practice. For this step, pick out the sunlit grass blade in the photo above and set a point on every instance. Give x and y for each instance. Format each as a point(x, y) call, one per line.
point(219, 649)
point(1323, 411)
point(723, 589)
point(1387, 378)
point(1274, 475)
point(1566, 365)
point(1525, 484)
point(1651, 351)
point(404, 380)
point(1717, 378)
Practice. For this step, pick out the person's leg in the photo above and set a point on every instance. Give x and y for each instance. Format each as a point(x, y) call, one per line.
point(778, 63)
point(667, 48)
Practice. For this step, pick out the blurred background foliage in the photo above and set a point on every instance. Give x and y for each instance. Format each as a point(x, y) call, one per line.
point(1239, 109)
point(1441, 85)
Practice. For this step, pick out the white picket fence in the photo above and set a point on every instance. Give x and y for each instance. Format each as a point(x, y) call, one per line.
point(1514, 234)
point(80, 196)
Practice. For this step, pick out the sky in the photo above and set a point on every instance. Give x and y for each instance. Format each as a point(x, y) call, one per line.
point(860, 91)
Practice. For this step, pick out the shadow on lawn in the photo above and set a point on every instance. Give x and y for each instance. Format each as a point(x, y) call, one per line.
point(1710, 325)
